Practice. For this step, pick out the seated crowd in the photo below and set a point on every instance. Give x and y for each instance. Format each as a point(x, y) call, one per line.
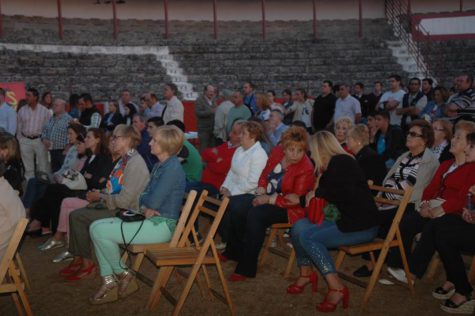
point(273, 161)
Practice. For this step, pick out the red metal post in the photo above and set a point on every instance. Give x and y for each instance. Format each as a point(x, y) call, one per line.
point(114, 16)
point(1, 20)
point(263, 2)
point(165, 7)
point(314, 19)
point(360, 18)
point(461, 5)
point(215, 20)
point(60, 20)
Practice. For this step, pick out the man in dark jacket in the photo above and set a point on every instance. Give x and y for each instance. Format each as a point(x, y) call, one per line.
point(389, 141)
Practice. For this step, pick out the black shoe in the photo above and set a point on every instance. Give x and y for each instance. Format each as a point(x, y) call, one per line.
point(466, 307)
point(362, 272)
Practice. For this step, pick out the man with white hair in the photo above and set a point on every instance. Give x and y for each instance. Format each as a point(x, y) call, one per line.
point(275, 127)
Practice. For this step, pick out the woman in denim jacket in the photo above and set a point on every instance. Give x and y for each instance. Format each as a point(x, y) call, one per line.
point(160, 203)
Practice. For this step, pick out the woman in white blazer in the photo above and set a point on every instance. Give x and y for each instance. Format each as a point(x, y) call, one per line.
point(246, 167)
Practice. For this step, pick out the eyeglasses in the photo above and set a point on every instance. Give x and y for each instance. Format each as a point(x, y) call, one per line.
point(438, 129)
point(414, 134)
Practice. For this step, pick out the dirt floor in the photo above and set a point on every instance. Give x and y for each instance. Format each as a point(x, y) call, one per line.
point(265, 295)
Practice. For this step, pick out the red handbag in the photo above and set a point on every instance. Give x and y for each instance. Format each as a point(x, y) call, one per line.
point(315, 210)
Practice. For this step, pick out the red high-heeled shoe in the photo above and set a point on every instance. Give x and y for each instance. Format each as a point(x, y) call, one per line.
point(297, 289)
point(236, 277)
point(328, 307)
point(83, 273)
point(73, 268)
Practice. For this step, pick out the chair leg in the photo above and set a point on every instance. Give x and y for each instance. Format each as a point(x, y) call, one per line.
point(186, 290)
point(290, 264)
point(372, 258)
point(17, 303)
point(160, 281)
point(375, 275)
point(21, 291)
point(339, 259)
point(138, 261)
point(471, 274)
point(224, 284)
point(432, 269)
point(24, 276)
point(268, 244)
point(404, 262)
point(207, 280)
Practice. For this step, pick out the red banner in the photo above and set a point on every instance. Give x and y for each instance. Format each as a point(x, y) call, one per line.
point(14, 91)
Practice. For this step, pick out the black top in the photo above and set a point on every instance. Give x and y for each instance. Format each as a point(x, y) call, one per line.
point(14, 174)
point(373, 100)
point(100, 167)
point(395, 142)
point(116, 120)
point(86, 115)
point(372, 165)
point(323, 110)
point(344, 184)
point(365, 104)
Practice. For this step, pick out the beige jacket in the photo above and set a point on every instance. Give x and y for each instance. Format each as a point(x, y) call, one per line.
point(11, 211)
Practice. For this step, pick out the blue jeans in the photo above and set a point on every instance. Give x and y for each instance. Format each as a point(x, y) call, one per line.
point(311, 242)
point(34, 191)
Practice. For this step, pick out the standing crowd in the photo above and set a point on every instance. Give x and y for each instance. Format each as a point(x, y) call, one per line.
point(71, 169)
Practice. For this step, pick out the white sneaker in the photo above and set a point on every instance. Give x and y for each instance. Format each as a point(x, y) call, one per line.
point(399, 274)
point(221, 245)
point(385, 282)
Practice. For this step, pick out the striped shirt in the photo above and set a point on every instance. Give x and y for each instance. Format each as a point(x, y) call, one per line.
point(31, 122)
point(407, 168)
point(56, 131)
point(464, 99)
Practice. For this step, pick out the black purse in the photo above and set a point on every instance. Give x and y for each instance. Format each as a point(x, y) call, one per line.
point(129, 216)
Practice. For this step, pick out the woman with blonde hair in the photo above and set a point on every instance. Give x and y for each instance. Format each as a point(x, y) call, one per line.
point(340, 181)
point(442, 136)
point(10, 154)
point(342, 126)
point(160, 203)
point(370, 162)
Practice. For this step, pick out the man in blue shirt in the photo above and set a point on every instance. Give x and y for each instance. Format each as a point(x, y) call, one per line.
point(7, 115)
point(275, 126)
point(250, 97)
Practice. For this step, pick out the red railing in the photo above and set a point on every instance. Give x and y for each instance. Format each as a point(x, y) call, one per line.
point(398, 13)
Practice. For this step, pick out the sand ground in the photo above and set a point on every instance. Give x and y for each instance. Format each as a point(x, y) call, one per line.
point(51, 295)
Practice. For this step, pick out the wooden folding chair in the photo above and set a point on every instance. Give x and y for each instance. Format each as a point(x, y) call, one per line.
point(277, 230)
point(196, 256)
point(139, 249)
point(393, 239)
point(11, 278)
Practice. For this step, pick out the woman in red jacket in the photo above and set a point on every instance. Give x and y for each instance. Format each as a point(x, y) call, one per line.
point(287, 171)
point(446, 194)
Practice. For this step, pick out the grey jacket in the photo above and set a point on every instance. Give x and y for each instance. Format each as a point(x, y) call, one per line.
point(136, 177)
point(204, 112)
point(425, 172)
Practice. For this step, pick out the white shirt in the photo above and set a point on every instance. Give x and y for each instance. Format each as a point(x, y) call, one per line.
point(246, 168)
point(389, 96)
point(349, 106)
point(173, 111)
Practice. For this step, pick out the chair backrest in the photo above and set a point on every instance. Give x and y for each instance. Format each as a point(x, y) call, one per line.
point(185, 212)
point(200, 207)
point(12, 247)
point(402, 204)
